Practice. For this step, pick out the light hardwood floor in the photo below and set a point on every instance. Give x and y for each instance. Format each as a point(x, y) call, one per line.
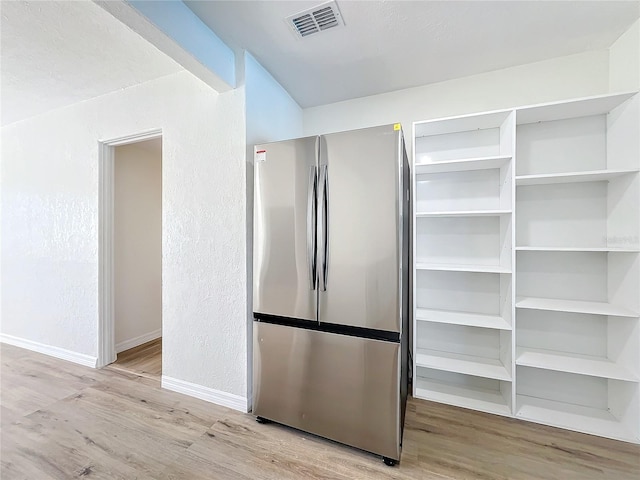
point(144, 360)
point(62, 421)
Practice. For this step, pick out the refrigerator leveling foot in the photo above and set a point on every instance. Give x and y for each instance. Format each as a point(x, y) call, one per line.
point(389, 462)
point(262, 420)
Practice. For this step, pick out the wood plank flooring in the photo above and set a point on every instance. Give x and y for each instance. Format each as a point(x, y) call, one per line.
point(63, 421)
point(144, 360)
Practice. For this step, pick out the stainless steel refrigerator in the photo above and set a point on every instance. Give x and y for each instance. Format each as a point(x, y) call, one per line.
point(330, 286)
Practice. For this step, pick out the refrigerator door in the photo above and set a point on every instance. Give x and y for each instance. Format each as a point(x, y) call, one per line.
point(284, 229)
point(339, 387)
point(360, 228)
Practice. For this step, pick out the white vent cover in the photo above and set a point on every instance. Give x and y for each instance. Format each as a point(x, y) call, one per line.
point(316, 19)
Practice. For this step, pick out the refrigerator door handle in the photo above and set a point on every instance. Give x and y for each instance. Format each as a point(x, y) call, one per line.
point(312, 215)
point(324, 226)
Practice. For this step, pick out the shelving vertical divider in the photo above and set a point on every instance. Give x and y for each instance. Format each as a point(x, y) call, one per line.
point(623, 152)
point(414, 370)
point(510, 138)
point(507, 231)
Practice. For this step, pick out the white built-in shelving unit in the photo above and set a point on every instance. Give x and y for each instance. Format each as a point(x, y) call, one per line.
point(463, 254)
point(526, 263)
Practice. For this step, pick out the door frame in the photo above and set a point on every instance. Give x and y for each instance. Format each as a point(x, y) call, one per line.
point(106, 297)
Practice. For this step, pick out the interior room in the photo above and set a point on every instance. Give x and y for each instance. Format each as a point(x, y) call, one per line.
point(320, 239)
point(137, 253)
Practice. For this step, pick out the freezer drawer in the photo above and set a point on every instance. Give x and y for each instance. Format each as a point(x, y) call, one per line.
point(340, 387)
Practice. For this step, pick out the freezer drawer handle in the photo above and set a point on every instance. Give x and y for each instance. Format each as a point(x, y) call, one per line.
point(311, 226)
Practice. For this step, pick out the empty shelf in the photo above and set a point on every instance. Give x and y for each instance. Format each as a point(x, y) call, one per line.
point(462, 318)
point(463, 165)
point(490, 401)
point(462, 268)
point(596, 105)
point(574, 306)
point(573, 417)
point(464, 213)
point(578, 249)
point(571, 177)
point(467, 364)
point(461, 123)
point(573, 363)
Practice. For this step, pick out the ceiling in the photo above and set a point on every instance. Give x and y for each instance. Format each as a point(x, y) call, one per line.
point(390, 45)
point(57, 53)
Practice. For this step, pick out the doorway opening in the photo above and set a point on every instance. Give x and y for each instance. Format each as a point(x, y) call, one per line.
point(130, 330)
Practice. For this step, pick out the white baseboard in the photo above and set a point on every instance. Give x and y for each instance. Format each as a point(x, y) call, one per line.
point(80, 358)
point(212, 395)
point(134, 342)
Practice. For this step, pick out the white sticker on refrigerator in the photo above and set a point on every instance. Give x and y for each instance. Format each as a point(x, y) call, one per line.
point(260, 156)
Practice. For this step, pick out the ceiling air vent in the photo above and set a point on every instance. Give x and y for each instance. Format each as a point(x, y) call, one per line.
point(316, 19)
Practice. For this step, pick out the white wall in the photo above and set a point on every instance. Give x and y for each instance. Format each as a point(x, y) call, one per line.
point(137, 243)
point(271, 115)
point(50, 225)
point(624, 60)
point(557, 79)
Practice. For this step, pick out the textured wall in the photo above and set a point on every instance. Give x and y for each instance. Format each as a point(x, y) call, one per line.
point(49, 247)
point(137, 238)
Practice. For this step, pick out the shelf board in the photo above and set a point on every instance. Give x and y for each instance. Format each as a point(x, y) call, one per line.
point(571, 177)
point(597, 105)
point(466, 364)
point(570, 416)
point(572, 363)
point(462, 318)
point(574, 306)
point(490, 401)
point(464, 213)
point(462, 165)
point(443, 267)
point(461, 123)
point(578, 249)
